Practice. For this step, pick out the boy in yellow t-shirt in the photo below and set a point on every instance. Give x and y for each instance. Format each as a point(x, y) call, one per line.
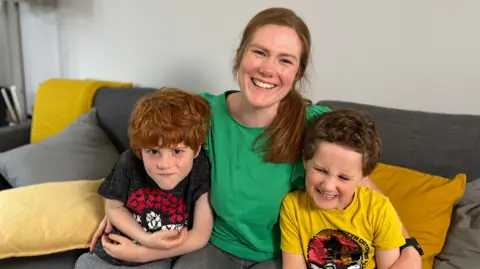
point(336, 222)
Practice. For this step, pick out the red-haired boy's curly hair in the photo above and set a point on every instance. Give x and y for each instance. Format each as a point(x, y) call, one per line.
point(168, 117)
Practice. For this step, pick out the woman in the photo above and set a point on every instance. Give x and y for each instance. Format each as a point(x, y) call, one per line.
point(254, 146)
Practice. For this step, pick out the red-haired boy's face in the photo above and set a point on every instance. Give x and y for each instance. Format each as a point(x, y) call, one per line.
point(168, 166)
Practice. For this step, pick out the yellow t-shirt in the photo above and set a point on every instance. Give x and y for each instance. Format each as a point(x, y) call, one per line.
point(346, 237)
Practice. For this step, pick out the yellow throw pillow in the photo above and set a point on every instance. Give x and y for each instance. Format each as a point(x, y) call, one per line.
point(424, 203)
point(58, 102)
point(50, 217)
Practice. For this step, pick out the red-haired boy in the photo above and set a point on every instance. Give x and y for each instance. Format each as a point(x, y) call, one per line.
point(159, 187)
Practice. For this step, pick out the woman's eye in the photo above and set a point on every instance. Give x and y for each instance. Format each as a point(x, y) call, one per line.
point(286, 61)
point(259, 52)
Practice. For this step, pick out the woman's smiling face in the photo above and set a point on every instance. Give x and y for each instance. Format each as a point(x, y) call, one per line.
point(270, 65)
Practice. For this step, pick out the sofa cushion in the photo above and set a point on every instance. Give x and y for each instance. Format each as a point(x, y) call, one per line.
point(463, 239)
point(80, 151)
point(424, 203)
point(49, 218)
point(435, 143)
point(114, 106)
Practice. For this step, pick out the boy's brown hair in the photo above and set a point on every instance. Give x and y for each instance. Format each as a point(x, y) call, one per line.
point(168, 117)
point(349, 128)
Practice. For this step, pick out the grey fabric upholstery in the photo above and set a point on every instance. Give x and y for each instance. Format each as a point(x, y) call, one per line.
point(80, 151)
point(114, 106)
point(4, 185)
point(14, 136)
point(62, 260)
point(463, 240)
point(435, 143)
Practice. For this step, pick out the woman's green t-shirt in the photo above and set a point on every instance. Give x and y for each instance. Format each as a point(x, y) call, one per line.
point(246, 193)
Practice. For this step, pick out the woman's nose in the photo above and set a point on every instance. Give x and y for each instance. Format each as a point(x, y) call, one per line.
point(267, 69)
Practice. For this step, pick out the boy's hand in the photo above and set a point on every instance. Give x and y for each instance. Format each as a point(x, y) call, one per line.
point(166, 239)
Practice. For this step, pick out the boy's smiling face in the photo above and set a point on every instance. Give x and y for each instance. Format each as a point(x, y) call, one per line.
point(332, 175)
point(169, 166)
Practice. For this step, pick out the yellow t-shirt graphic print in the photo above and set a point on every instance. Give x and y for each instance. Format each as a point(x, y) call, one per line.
point(339, 239)
point(337, 249)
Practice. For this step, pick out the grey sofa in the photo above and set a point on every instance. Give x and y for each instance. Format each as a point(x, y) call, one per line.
point(434, 143)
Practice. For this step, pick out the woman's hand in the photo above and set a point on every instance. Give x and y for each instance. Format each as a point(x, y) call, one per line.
point(104, 227)
point(120, 247)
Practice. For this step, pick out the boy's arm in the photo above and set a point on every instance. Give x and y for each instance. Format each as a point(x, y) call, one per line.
point(388, 239)
point(292, 255)
point(293, 260)
point(123, 220)
point(386, 258)
point(369, 183)
point(391, 259)
point(115, 190)
point(197, 237)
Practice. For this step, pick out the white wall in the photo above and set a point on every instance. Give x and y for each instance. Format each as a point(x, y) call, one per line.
point(3, 61)
point(409, 54)
point(3, 50)
point(41, 47)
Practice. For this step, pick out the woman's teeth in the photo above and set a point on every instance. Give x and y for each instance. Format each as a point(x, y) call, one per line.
point(263, 85)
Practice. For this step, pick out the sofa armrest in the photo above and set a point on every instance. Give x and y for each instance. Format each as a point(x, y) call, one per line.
point(14, 136)
point(4, 185)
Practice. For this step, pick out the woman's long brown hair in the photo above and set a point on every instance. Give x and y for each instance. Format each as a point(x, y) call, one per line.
point(281, 141)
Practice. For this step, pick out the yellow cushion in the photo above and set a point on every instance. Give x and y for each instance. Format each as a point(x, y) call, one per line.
point(49, 217)
point(58, 102)
point(424, 203)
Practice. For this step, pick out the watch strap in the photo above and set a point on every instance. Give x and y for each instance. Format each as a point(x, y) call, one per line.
point(412, 242)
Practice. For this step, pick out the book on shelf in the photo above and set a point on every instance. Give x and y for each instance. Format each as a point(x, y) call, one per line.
point(12, 103)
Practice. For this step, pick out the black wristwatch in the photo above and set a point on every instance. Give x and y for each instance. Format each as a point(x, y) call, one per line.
point(412, 242)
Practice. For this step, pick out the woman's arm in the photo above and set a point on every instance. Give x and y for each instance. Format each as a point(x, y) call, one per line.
point(197, 237)
point(293, 261)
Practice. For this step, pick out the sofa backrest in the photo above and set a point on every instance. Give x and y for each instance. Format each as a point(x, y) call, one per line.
point(434, 143)
point(113, 107)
